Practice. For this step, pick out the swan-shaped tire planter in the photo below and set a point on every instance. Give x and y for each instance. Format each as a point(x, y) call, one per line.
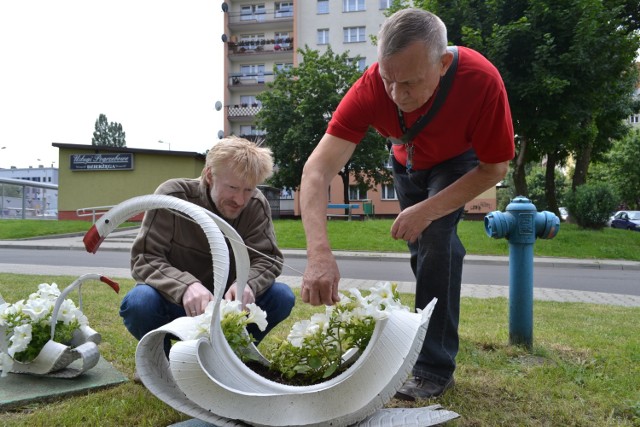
point(57, 360)
point(206, 380)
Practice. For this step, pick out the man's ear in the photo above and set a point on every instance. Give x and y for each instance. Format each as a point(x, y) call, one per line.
point(207, 177)
point(445, 61)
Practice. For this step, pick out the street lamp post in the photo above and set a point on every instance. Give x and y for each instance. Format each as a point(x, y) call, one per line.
point(163, 142)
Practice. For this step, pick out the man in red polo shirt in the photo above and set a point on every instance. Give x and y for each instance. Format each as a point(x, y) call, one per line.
point(463, 150)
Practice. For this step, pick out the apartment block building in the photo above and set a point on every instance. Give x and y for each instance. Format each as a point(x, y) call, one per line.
point(261, 35)
point(258, 36)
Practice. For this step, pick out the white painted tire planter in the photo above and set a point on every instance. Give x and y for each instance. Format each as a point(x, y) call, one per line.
point(58, 360)
point(205, 379)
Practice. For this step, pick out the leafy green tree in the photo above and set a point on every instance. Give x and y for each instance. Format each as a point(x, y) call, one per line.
point(108, 134)
point(537, 185)
point(591, 204)
point(296, 111)
point(621, 168)
point(569, 69)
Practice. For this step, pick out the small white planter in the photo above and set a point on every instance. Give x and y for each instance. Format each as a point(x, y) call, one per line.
point(55, 359)
point(205, 379)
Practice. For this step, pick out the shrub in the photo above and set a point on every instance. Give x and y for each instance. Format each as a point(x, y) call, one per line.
point(590, 205)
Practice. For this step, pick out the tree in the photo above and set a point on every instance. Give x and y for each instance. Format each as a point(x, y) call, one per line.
point(569, 69)
point(108, 134)
point(295, 113)
point(621, 168)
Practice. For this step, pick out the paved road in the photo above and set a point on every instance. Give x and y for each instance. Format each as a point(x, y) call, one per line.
point(591, 281)
point(569, 277)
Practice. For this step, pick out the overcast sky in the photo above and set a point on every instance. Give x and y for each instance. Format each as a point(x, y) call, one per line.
point(154, 66)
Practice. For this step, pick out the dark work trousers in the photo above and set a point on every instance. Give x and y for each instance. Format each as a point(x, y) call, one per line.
point(436, 261)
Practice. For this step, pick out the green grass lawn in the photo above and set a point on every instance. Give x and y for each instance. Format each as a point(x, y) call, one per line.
point(27, 228)
point(373, 235)
point(584, 369)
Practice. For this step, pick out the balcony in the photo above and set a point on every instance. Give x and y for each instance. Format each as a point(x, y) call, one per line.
point(262, 49)
point(261, 20)
point(242, 113)
point(248, 82)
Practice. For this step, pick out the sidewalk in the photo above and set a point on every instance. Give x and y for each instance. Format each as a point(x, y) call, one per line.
point(121, 241)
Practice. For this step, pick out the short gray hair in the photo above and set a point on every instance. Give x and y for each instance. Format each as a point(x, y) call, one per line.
point(408, 26)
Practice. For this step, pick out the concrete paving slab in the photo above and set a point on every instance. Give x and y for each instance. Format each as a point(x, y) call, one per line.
point(19, 389)
point(199, 423)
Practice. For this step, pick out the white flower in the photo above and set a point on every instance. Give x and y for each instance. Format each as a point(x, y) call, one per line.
point(80, 317)
point(257, 316)
point(228, 307)
point(320, 321)
point(47, 291)
point(4, 313)
point(37, 309)
point(67, 312)
point(299, 331)
point(13, 309)
point(20, 339)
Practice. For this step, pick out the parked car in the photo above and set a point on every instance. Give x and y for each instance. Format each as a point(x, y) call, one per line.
point(627, 220)
point(564, 213)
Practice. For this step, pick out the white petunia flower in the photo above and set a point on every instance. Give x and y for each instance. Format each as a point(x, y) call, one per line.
point(299, 331)
point(228, 307)
point(37, 309)
point(257, 316)
point(67, 312)
point(320, 321)
point(48, 291)
point(20, 339)
point(4, 308)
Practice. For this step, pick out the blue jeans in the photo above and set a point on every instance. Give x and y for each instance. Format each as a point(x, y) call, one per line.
point(144, 309)
point(436, 261)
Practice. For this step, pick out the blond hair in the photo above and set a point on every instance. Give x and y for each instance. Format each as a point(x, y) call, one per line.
point(240, 156)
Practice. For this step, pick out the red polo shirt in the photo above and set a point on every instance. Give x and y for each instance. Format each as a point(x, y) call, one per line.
point(475, 114)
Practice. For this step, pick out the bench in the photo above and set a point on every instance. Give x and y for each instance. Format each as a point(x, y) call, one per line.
point(348, 207)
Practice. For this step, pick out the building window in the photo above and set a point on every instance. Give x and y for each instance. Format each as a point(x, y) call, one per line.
point(284, 66)
point(250, 130)
point(385, 4)
point(361, 63)
point(635, 119)
point(354, 35)
point(251, 40)
point(249, 100)
point(284, 9)
point(388, 164)
point(253, 12)
point(252, 72)
point(323, 36)
point(352, 5)
point(282, 40)
point(323, 7)
point(388, 192)
point(356, 194)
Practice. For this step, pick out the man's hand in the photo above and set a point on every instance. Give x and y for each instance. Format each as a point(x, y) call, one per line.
point(320, 280)
point(410, 223)
point(195, 299)
point(247, 294)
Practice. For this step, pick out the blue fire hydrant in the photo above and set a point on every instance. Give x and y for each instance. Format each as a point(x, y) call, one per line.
point(521, 224)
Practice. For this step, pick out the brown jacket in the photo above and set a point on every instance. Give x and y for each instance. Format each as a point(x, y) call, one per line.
point(171, 252)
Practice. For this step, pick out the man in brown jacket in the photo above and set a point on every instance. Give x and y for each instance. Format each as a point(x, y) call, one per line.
point(171, 257)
